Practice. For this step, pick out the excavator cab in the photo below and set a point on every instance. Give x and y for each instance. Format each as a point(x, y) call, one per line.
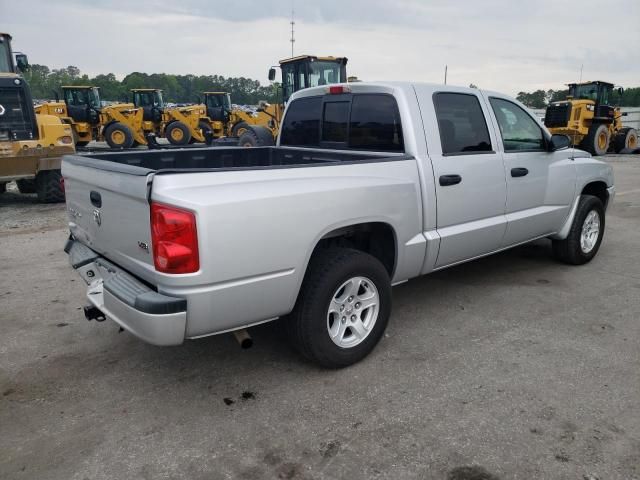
point(83, 103)
point(218, 106)
point(151, 102)
point(308, 71)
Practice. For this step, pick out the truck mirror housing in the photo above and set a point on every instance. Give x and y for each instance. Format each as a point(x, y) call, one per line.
point(22, 62)
point(620, 91)
point(558, 142)
point(272, 74)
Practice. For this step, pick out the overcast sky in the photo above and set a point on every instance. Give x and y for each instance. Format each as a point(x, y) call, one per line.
point(502, 45)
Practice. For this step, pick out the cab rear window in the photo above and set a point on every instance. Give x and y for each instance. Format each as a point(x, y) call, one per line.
point(358, 121)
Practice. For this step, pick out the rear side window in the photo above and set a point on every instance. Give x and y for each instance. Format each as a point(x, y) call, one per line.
point(375, 124)
point(463, 128)
point(302, 123)
point(359, 121)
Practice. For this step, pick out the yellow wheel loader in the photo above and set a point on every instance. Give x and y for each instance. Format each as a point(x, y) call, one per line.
point(120, 125)
point(589, 120)
point(31, 145)
point(179, 125)
point(225, 121)
point(297, 73)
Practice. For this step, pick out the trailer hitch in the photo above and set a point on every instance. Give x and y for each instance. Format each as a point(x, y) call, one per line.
point(93, 313)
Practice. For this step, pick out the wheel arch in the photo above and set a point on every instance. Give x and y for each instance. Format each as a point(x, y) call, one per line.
point(597, 188)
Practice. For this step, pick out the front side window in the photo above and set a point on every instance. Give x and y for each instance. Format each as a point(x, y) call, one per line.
point(463, 128)
point(519, 131)
point(6, 62)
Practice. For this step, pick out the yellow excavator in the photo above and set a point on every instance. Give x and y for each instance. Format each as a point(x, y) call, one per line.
point(589, 120)
point(120, 124)
point(297, 73)
point(31, 145)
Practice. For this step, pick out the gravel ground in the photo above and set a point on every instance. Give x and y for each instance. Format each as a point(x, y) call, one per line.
point(510, 367)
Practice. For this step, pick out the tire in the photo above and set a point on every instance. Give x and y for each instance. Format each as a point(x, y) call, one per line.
point(118, 135)
point(178, 133)
point(26, 185)
point(49, 186)
point(207, 131)
point(239, 128)
point(625, 139)
point(256, 137)
point(309, 323)
point(571, 250)
point(595, 142)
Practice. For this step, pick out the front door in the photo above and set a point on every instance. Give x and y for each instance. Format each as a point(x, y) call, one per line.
point(538, 200)
point(469, 177)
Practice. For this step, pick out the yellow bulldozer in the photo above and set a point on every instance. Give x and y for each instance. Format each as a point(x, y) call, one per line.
point(589, 120)
point(297, 73)
point(120, 124)
point(31, 145)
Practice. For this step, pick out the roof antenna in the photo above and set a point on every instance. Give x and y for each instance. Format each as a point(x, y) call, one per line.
point(581, 67)
point(292, 22)
point(445, 74)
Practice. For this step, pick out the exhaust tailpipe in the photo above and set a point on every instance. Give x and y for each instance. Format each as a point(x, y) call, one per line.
point(243, 338)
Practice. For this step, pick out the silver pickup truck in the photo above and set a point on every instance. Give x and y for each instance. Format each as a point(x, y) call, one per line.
point(368, 186)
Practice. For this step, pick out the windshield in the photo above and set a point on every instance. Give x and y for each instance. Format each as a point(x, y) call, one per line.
point(148, 99)
point(584, 92)
point(217, 100)
point(6, 65)
point(323, 73)
point(86, 96)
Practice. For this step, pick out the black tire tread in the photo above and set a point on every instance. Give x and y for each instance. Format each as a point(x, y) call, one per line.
point(568, 250)
point(48, 186)
point(321, 267)
point(26, 185)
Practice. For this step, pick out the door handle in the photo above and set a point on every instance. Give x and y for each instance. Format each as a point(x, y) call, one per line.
point(96, 198)
point(446, 180)
point(519, 172)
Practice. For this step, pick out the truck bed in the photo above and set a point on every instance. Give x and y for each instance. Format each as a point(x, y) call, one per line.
point(220, 159)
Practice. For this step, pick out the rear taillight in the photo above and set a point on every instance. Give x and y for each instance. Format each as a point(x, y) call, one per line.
point(175, 239)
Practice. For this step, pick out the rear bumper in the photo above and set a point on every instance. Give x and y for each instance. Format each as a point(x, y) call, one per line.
point(151, 316)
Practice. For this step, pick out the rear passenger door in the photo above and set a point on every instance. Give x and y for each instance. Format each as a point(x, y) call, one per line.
point(538, 200)
point(469, 176)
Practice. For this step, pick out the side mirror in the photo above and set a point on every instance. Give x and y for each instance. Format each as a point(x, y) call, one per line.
point(620, 91)
point(22, 62)
point(558, 142)
point(272, 74)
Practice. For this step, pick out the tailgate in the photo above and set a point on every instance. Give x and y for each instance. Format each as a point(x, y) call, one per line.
point(108, 211)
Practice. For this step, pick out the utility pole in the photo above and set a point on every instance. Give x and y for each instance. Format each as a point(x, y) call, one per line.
point(445, 74)
point(293, 39)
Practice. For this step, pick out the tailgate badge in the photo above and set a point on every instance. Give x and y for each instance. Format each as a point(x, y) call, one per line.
point(97, 217)
point(144, 246)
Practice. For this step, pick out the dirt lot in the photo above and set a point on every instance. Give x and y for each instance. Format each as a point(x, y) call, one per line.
point(511, 367)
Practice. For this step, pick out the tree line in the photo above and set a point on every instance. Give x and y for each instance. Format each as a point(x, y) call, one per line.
point(44, 82)
point(542, 98)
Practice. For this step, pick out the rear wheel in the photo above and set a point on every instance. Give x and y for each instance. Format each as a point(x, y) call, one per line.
point(343, 308)
point(49, 186)
point(597, 140)
point(625, 139)
point(26, 185)
point(585, 235)
point(256, 137)
point(118, 135)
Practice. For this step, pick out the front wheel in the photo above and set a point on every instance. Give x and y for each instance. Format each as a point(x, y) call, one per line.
point(119, 135)
point(178, 133)
point(585, 235)
point(597, 140)
point(625, 139)
point(49, 186)
point(343, 308)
